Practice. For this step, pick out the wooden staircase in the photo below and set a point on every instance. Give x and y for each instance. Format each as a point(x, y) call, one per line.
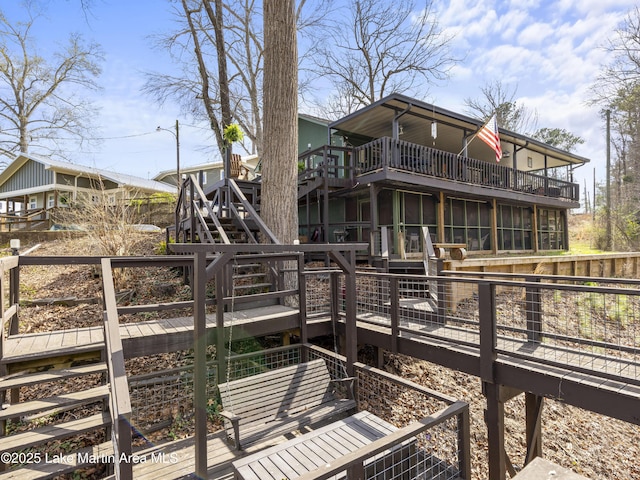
point(42, 411)
point(225, 213)
point(64, 399)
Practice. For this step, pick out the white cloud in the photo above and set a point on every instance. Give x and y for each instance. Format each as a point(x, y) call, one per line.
point(535, 35)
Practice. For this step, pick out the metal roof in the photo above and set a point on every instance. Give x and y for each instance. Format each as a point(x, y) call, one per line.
point(75, 169)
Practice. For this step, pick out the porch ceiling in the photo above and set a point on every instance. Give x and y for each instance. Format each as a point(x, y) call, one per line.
point(376, 121)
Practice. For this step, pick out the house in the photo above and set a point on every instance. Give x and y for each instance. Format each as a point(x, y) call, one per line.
point(211, 173)
point(32, 183)
point(406, 164)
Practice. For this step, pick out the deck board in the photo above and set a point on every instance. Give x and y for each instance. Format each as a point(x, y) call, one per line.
point(330, 442)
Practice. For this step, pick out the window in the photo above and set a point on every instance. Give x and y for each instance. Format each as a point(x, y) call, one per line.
point(468, 221)
point(514, 228)
point(51, 200)
point(551, 232)
point(33, 203)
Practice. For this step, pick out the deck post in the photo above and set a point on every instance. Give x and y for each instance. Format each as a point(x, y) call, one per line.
point(200, 360)
point(494, 418)
point(394, 310)
point(533, 406)
point(487, 316)
point(464, 444)
point(348, 266)
point(352, 329)
point(302, 300)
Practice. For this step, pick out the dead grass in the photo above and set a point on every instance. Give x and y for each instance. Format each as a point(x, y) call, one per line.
point(590, 444)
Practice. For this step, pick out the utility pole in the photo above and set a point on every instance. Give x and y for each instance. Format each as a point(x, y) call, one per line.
point(608, 211)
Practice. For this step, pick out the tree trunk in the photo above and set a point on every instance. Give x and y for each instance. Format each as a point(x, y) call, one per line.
point(279, 207)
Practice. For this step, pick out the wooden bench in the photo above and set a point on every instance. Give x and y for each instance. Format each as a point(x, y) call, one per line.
point(458, 251)
point(279, 401)
point(331, 442)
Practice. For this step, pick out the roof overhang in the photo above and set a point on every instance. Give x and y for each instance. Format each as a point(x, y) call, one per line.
point(415, 119)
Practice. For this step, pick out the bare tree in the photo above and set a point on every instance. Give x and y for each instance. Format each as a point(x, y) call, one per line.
point(40, 108)
point(210, 41)
point(617, 91)
point(378, 48)
point(624, 60)
point(499, 99)
point(280, 144)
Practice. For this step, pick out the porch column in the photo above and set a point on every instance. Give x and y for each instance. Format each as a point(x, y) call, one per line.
point(494, 226)
point(373, 215)
point(534, 223)
point(441, 218)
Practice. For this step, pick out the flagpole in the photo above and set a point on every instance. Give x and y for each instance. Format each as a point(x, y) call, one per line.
point(475, 135)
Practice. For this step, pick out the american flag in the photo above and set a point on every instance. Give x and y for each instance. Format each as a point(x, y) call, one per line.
point(489, 135)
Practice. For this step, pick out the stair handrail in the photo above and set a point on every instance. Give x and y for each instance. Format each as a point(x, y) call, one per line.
point(268, 234)
point(210, 213)
point(9, 315)
point(119, 400)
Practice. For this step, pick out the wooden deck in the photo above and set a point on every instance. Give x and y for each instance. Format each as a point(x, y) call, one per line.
point(147, 337)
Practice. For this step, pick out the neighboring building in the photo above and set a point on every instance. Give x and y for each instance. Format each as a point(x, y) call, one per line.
point(410, 164)
point(32, 182)
point(211, 173)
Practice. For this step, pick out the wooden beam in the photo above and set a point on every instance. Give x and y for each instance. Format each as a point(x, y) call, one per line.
point(533, 405)
point(494, 418)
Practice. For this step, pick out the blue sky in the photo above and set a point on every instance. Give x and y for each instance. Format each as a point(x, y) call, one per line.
point(549, 50)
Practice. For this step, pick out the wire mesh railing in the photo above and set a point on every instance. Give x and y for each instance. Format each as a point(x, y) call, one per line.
point(579, 326)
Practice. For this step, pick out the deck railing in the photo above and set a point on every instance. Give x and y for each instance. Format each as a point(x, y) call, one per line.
point(388, 153)
point(581, 326)
point(119, 401)
point(195, 212)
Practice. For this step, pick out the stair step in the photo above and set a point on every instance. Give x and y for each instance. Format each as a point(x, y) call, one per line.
point(252, 285)
point(55, 465)
point(26, 379)
point(54, 404)
point(249, 275)
point(23, 440)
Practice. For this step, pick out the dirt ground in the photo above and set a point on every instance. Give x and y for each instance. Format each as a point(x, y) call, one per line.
point(590, 444)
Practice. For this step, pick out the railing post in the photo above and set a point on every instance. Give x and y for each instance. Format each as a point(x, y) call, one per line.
point(386, 151)
point(394, 308)
point(494, 414)
point(192, 213)
point(302, 300)
point(487, 318)
point(356, 471)
point(441, 293)
point(464, 444)
point(200, 356)
point(14, 298)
